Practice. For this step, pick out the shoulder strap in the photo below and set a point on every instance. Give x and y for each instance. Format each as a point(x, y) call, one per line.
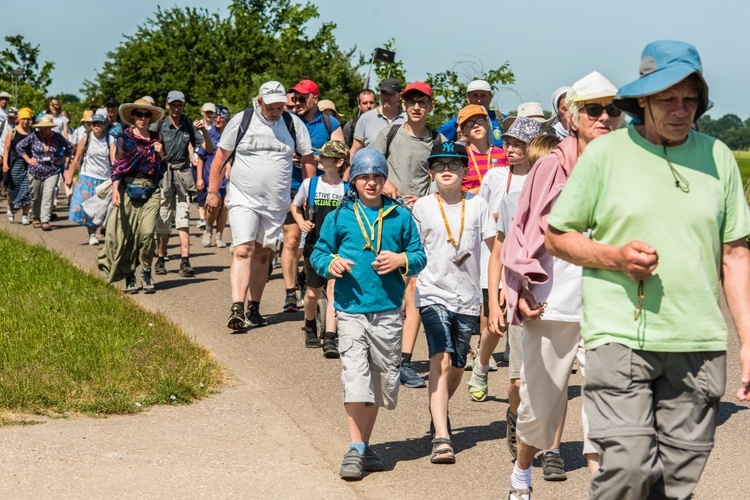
point(2, 125)
point(346, 187)
point(327, 123)
point(311, 192)
point(189, 126)
point(247, 115)
point(290, 127)
point(88, 141)
point(389, 138)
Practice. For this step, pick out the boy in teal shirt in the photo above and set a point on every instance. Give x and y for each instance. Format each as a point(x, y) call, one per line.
point(367, 244)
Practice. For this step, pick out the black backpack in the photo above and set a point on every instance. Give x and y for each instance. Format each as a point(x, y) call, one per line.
point(392, 133)
point(247, 115)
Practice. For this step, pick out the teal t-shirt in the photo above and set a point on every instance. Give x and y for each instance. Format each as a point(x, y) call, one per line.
point(623, 190)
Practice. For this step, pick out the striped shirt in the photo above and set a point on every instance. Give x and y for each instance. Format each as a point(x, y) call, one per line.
point(478, 166)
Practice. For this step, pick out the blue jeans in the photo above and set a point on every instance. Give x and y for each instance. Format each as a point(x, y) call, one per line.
point(447, 331)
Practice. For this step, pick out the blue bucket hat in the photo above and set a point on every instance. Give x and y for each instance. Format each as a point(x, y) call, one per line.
point(664, 63)
point(368, 161)
point(448, 150)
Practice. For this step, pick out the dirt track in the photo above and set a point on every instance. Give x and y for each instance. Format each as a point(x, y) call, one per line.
point(278, 430)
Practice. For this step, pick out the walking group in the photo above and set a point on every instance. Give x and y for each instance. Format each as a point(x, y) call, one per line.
point(587, 242)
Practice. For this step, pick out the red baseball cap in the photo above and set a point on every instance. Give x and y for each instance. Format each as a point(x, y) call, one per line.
point(418, 87)
point(306, 87)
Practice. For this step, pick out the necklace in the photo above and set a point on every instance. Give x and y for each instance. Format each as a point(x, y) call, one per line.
point(474, 161)
point(379, 222)
point(451, 239)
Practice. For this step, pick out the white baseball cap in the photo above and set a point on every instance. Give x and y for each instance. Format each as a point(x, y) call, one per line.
point(478, 85)
point(272, 92)
point(209, 106)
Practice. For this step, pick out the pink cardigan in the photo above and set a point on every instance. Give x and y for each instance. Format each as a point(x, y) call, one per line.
point(524, 243)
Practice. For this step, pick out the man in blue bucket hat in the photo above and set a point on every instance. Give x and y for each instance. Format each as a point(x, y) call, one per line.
point(668, 219)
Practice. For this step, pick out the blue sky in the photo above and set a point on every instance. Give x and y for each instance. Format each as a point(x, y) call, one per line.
point(548, 43)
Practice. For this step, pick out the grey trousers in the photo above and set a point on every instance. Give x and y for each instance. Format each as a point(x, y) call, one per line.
point(652, 416)
point(42, 195)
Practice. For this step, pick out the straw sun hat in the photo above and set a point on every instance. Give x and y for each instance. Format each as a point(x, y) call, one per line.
point(126, 111)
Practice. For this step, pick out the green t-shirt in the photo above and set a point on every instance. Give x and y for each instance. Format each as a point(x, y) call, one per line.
point(623, 190)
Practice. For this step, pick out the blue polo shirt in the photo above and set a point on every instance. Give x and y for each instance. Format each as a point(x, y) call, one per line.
point(450, 131)
point(318, 137)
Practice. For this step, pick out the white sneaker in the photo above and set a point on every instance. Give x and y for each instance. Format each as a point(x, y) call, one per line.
point(93, 240)
point(202, 224)
point(219, 242)
point(10, 215)
point(25, 220)
point(206, 241)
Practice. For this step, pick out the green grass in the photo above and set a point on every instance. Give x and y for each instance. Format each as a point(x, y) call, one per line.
point(743, 160)
point(70, 343)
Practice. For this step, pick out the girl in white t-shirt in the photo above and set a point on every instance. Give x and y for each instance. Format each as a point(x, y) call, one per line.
point(94, 157)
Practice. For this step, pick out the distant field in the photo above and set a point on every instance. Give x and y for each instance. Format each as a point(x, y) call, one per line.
point(743, 159)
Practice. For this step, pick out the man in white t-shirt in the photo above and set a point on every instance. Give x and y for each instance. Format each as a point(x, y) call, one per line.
point(258, 193)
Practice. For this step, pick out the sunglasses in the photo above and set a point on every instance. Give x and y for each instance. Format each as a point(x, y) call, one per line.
point(477, 121)
point(595, 110)
point(453, 166)
point(423, 103)
point(142, 114)
point(301, 99)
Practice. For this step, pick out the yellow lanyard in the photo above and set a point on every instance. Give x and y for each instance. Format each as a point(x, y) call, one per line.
point(474, 161)
point(379, 222)
point(451, 239)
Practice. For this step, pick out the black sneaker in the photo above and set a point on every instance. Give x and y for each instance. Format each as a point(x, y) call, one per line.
point(146, 283)
point(553, 467)
point(185, 270)
point(331, 350)
point(290, 304)
point(510, 432)
point(159, 267)
point(253, 318)
point(131, 287)
point(236, 319)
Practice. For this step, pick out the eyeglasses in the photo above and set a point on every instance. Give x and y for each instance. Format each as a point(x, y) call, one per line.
point(142, 114)
point(423, 103)
point(453, 166)
point(477, 121)
point(595, 110)
point(301, 99)
point(98, 124)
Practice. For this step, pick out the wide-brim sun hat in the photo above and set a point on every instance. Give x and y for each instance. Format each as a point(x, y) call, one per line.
point(126, 111)
point(531, 110)
point(368, 161)
point(327, 104)
point(664, 63)
point(87, 114)
point(524, 129)
point(45, 121)
point(592, 86)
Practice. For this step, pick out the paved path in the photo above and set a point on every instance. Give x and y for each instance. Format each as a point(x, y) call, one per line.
point(277, 429)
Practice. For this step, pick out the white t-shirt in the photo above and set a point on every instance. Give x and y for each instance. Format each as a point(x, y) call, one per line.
point(96, 162)
point(324, 193)
point(59, 122)
point(493, 188)
point(442, 282)
point(262, 169)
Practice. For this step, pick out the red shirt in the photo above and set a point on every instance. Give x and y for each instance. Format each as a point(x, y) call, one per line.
point(478, 165)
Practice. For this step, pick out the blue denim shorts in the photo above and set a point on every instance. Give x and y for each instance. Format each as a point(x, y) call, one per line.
point(447, 331)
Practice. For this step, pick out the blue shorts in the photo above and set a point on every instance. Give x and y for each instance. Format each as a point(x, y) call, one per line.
point(447, 331)
point(201, 196)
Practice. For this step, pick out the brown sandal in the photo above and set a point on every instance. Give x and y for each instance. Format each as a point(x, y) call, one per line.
point(46, 226)
point(37, 224)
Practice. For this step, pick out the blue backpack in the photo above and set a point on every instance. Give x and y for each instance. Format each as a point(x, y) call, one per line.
point(313, 188)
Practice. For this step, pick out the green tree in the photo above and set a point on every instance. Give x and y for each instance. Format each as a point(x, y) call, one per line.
point(225, 60)
point(449, 87)
point(33, 81)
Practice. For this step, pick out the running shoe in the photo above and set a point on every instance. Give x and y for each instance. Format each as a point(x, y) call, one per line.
point(254, 318)
point(410, 378)
point(236, 319)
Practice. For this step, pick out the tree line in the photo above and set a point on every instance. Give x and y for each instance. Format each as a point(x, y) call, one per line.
point(729, 129)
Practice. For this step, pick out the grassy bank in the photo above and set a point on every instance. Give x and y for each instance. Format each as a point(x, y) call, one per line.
point(71, 343)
